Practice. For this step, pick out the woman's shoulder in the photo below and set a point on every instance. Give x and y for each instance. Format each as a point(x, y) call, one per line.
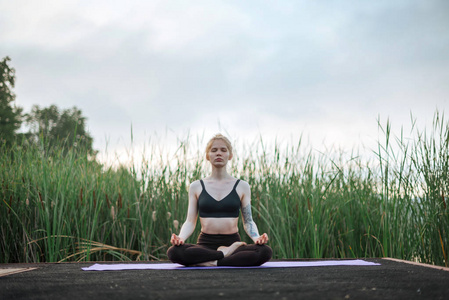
point(195, 188)
point(241, 181)
point(195, 184)
point(243, 185)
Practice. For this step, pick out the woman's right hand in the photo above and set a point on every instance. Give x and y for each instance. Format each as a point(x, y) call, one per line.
point(176, 240)
point(263, 239)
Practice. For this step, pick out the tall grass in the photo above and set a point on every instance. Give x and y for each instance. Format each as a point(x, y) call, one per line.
point(65, 206)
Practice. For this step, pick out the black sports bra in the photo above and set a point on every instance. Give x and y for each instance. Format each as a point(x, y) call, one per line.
point(228, 207)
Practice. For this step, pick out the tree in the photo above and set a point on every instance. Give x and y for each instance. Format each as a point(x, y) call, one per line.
point(10, 117)
point(55, 128)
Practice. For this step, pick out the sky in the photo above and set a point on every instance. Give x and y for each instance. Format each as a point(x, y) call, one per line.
point(325, 70)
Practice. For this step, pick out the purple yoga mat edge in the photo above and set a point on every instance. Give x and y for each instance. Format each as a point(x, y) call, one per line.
point(271, 264)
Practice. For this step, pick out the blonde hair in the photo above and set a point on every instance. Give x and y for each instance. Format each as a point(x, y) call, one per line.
point(218, 136)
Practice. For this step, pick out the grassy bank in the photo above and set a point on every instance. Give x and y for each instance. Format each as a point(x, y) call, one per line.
point(59, 206)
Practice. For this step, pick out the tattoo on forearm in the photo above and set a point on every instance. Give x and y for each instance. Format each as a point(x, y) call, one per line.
point(248, 223)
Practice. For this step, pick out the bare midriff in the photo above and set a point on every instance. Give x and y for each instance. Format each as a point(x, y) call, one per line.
point(219, 225)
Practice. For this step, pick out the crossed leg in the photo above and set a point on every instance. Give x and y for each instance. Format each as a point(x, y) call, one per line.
point(237, 254)
point(247, 255)
point(227, 251)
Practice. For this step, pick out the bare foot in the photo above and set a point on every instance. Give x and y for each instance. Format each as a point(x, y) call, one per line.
point(229, 250)
point(206, 264)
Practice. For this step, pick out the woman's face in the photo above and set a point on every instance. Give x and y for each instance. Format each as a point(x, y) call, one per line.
point(218, 154)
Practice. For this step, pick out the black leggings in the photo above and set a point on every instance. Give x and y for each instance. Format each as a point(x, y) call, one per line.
point(206, 250)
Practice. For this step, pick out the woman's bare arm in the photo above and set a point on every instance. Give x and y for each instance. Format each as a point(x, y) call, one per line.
point(192, 215)
point(248, 223)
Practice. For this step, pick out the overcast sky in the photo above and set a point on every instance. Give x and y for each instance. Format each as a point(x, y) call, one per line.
point(326, 69)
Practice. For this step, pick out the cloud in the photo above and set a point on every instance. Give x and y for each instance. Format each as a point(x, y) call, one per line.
point(279, 68)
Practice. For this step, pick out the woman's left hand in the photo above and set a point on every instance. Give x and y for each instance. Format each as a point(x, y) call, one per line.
point(263, 239)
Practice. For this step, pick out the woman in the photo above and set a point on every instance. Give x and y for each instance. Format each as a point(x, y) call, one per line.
point(217, 200)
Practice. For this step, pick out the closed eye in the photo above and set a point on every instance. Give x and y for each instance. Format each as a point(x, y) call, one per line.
point(222, 150)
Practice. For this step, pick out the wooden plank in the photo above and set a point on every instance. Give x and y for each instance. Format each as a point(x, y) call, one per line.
point(9, 271)
point(417, 263)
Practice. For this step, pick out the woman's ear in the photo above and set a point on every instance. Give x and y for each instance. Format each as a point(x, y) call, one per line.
point(230, 156)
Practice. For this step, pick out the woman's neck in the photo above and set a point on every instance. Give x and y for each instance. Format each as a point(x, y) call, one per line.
point(219, 174)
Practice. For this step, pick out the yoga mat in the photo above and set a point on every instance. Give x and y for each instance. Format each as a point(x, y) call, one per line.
point(270, 264)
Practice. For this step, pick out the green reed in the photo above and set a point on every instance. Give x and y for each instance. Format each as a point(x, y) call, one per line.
point(65, 206)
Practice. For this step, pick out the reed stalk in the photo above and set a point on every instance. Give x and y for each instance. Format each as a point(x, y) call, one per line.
point(59, 205)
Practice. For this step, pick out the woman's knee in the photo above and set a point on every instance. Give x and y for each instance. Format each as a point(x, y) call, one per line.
point(173, 253)
point(170, 253)
point(265, 253)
